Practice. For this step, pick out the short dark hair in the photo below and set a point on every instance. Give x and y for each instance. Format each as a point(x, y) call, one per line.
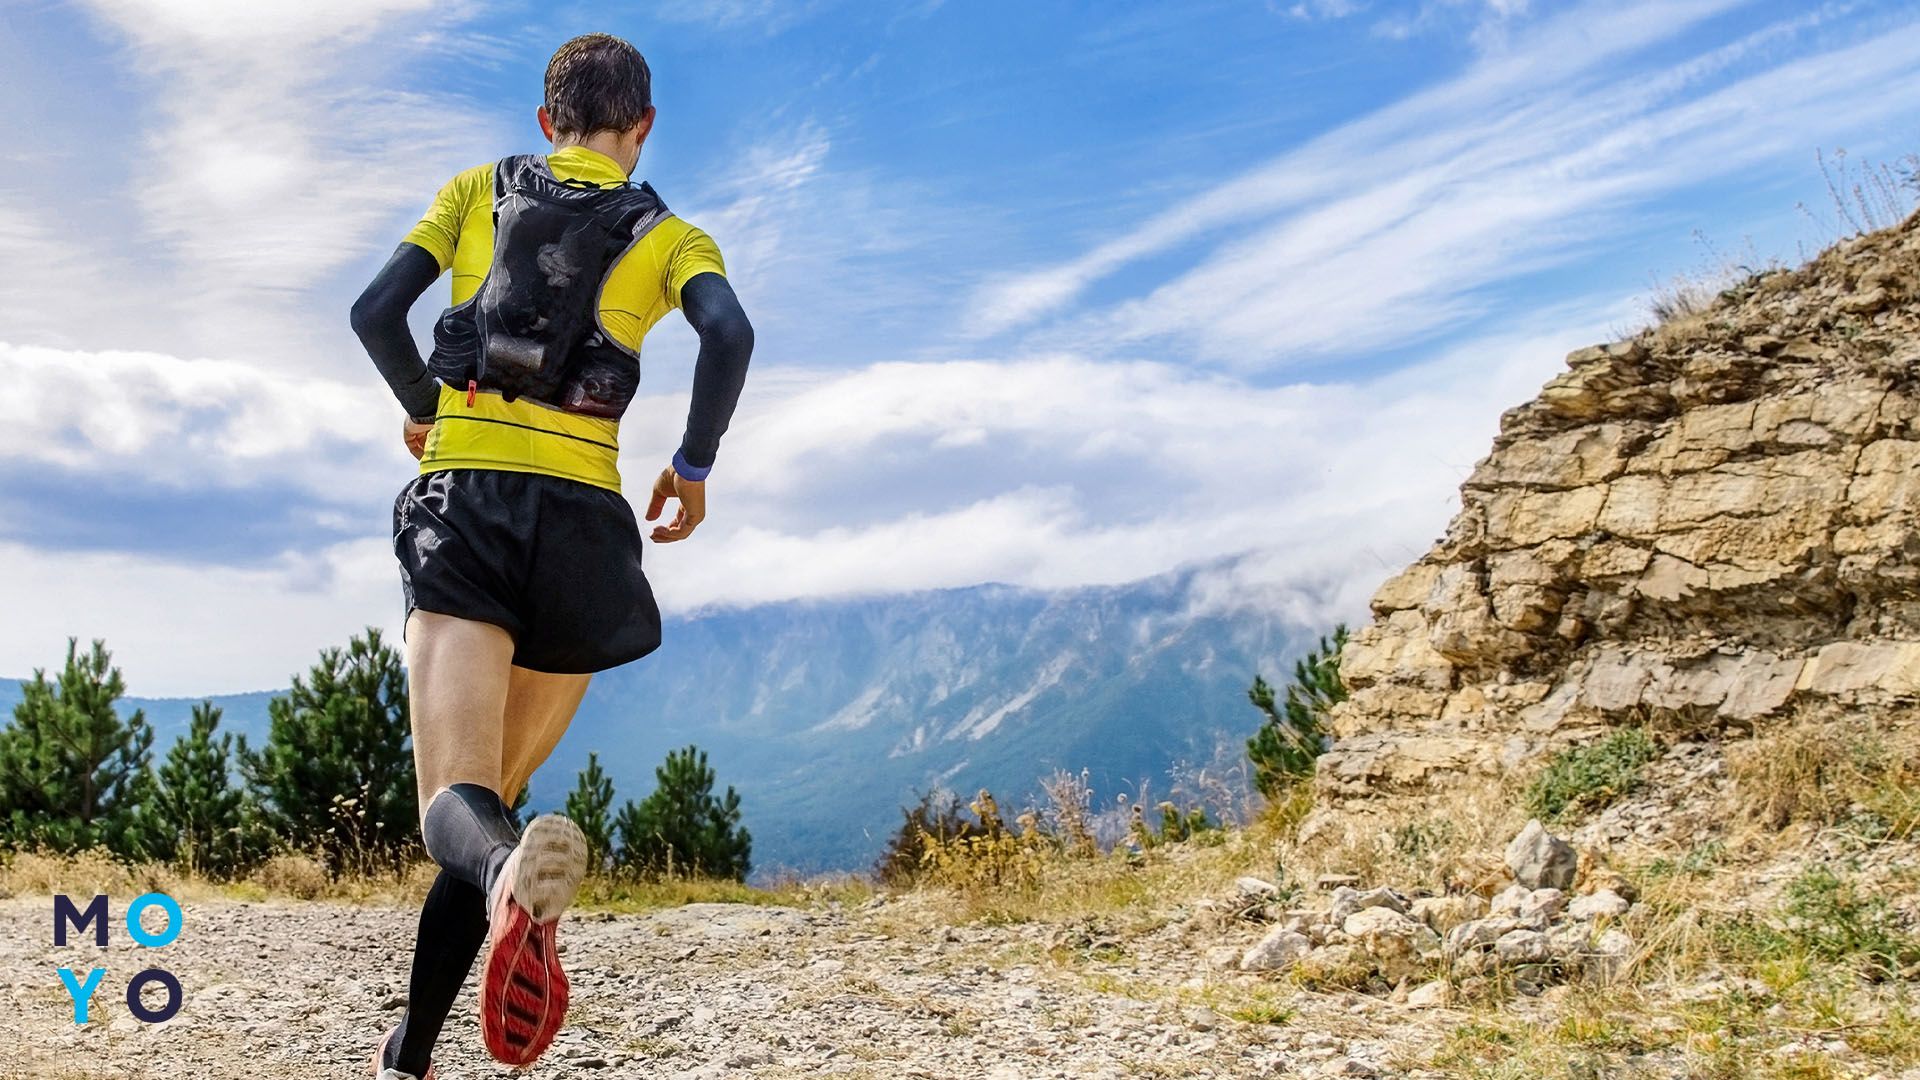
point(597, 82)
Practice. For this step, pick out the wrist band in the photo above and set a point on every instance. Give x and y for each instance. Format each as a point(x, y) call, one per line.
point(686, 471)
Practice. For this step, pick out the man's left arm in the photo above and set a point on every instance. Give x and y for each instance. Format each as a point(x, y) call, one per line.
point(719, 373)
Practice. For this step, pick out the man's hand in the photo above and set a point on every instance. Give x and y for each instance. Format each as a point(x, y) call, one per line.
point(693, 505)
point(415, 436)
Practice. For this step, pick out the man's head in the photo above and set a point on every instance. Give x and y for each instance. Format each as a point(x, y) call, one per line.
point(599, 93)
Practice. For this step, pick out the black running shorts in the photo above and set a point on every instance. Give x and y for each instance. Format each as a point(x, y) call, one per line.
point(556, 563)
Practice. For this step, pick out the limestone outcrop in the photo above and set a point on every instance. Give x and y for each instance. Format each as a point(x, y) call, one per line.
point(1719, 516)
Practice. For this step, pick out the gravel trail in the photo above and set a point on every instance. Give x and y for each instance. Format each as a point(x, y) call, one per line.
point(284, 989)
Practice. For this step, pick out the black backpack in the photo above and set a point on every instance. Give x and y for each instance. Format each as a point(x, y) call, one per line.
point(533, 328)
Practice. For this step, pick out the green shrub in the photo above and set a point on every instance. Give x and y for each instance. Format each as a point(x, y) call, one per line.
point(1833, 919)
point(1294, 733)
point(1582, 779)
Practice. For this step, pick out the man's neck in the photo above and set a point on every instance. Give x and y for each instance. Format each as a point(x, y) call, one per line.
point(607, 143)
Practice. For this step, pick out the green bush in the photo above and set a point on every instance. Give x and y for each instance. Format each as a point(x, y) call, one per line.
point(1835, 920)
point(1582, 779)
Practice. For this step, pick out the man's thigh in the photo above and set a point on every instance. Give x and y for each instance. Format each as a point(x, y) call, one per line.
point(539, 708)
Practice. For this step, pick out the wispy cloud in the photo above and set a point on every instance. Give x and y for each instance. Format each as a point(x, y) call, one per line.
point(272, 164)
point(1396, 224)
point(765, 16)
point(1553, 180)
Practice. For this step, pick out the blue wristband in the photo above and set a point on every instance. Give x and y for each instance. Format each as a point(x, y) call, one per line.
point(686, 471)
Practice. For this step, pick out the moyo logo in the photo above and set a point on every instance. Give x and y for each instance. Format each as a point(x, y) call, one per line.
point(65, 914)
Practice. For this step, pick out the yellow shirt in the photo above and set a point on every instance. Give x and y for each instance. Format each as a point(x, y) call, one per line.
point(524, 435)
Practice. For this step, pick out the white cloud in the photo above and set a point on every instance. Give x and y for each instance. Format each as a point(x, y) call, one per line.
point(1394, 224)
point(1057, 471)
point(194, 423)
point(1325, 9)
point(278, 156)
point(1063, 471)
point(1409, 251)
point(179, 628)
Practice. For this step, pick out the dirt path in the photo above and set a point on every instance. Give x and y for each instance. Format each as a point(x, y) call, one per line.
point(290, 990)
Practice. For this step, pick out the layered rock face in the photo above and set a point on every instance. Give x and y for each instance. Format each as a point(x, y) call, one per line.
point(1720, 515)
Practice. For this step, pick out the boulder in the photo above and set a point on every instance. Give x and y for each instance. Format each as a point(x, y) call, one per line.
point(1541, 860)
point(1254, 888)
point(1443, 913)
point(1398, 946)
point(1542, 905)
point(1522, 947)
point(1605, 904)
point(1346, 901)
point(1279, 950)
point(1431, 995)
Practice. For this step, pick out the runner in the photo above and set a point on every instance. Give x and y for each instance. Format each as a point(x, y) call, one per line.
point(519, 558)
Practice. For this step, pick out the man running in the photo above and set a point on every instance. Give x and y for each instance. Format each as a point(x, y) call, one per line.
point(519, 558)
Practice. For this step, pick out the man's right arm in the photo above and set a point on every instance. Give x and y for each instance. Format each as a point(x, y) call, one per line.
point(380, 321)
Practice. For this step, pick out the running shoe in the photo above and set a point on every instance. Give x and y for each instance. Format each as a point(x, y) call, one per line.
point(523, 992)
point(380, 1055)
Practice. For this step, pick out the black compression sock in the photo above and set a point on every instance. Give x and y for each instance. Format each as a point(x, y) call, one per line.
point(470, 832)
point(453, 924)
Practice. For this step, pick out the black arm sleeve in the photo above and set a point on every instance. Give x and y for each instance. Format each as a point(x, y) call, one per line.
point(726, 343)
point(380, 320)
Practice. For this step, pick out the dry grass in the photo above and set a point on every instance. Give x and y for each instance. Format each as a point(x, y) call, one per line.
point(1829, 772)
point(1447, 842)
point(304, 878)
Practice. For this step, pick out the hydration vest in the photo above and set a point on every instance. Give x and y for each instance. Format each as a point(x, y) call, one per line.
point(533, 328)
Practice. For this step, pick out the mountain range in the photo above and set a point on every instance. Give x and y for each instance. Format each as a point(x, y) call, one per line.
point(829, 715)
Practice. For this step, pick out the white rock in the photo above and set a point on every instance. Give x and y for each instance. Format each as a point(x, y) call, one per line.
point(1431, 995)
point(1523, 947)
point(1480, 934)
point(1605, 904)
point(1280, 949)
point(1396, 944)
point(1541, 860)
point(1542, 905)
point(1509, 900)
point(1606, 961)
point(1443, 913)
point(1347, 901)
point(1255, 888)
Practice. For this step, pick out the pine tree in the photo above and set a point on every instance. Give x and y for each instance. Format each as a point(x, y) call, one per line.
point(70, 767)
point(197, 814)
point(682, 827)
point(588, 805)
point(336, 774)
point(1295, 729)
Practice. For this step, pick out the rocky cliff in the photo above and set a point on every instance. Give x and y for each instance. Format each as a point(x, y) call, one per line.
point(1718, 517)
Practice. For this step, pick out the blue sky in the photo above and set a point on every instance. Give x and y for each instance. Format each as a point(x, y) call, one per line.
point(1047, 293)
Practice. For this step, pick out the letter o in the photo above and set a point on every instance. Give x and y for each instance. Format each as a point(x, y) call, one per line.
point(166, 903)
point(153, 1016)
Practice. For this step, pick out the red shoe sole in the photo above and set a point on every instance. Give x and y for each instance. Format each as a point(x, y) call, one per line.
point(523, 992)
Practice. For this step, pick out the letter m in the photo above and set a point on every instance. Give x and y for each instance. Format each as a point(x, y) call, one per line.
point(64, 913)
